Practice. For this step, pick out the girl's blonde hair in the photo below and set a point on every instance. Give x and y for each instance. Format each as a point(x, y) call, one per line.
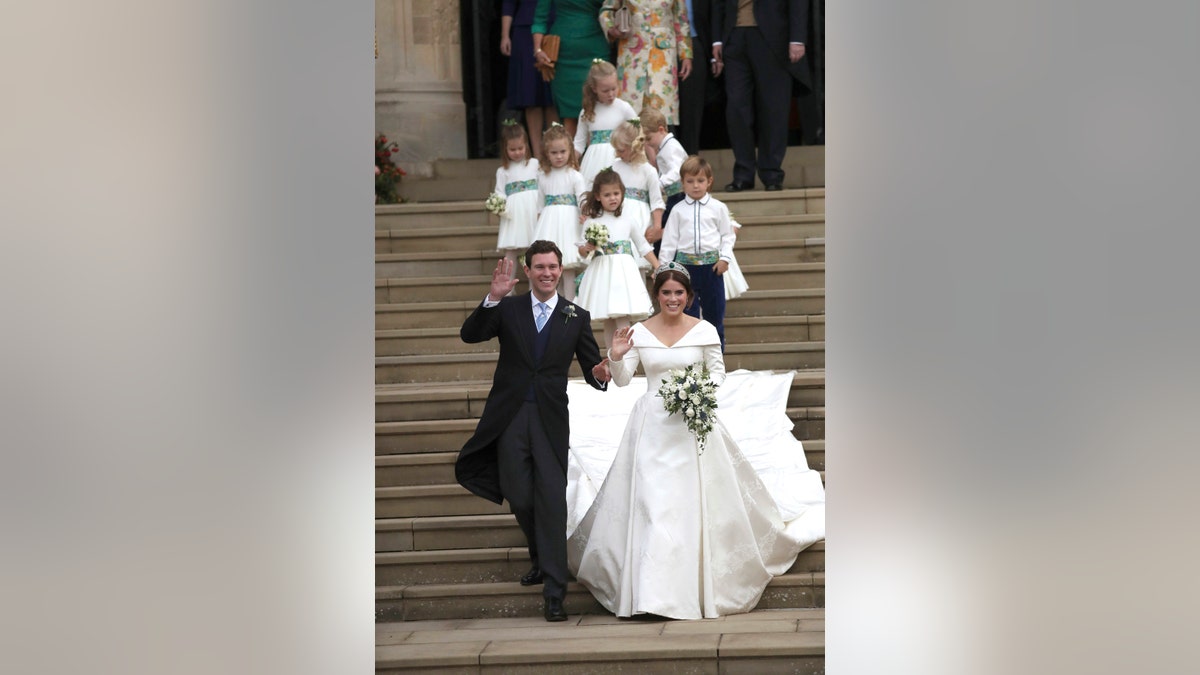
point(592, 208)
point(557, 132)
point(629, 134)
point(600, 69)
point(511, 130)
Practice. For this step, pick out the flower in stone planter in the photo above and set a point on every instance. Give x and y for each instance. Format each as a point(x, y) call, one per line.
point(387, 174)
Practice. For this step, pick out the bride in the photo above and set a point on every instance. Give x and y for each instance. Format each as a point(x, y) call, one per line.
point(674, 531)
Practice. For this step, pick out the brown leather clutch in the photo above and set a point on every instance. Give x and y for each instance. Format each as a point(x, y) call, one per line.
point(550, 45)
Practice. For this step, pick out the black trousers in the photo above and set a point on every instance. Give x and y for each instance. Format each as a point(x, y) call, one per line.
point(535, 484)
point(759, 89)
point(692, 98)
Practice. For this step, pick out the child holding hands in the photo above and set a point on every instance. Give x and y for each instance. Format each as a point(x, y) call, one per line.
point(643, 195)
point(516, 185)
point(602, 112)
point(613, 289)
point(668, 155)
point(560, 189)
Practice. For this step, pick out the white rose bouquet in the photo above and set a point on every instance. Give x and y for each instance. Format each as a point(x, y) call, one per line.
point(496, 204)
point(597, 234)
point(691, 392)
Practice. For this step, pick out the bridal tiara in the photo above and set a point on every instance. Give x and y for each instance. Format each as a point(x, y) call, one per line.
point(672, 265)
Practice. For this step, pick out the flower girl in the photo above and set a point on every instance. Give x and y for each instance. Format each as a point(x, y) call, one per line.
point(613, 289)
point(643, 193)
point(515, 198)
point(559, 189)
point(602, 112)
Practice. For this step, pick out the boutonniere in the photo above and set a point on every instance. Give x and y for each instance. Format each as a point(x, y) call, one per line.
point(569, 311)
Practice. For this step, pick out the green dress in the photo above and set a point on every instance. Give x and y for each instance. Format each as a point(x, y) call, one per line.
point(577, 23)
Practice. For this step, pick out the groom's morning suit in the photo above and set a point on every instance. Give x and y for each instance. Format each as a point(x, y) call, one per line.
point(519, 450)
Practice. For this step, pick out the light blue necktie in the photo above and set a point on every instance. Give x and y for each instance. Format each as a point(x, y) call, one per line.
point(544, 313)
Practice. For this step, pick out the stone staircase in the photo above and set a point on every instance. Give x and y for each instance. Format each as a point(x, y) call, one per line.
point(447, 562)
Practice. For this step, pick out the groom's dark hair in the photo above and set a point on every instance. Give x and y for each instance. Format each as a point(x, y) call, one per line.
point(541, 246)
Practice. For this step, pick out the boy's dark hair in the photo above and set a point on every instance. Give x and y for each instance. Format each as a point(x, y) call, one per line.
point(540, 246)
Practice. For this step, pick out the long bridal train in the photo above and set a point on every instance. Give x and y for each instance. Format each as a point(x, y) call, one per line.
point(711, 529)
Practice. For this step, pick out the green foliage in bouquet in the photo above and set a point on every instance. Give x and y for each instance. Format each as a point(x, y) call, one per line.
point(691, 392)
point(387, 174)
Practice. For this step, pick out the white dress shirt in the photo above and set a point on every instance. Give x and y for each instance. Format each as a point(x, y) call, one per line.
point(671, 156)
point(698, 226)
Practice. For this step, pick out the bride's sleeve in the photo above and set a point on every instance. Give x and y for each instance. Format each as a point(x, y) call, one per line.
point(715, 363)
point(622, 371)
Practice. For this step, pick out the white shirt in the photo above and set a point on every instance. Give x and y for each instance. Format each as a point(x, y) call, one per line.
point(698, 226)
point(671, 156)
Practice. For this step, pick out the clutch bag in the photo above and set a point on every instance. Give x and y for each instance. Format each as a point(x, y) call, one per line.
point(550, 45)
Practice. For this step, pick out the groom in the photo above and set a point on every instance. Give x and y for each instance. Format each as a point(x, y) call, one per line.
point(519, 450)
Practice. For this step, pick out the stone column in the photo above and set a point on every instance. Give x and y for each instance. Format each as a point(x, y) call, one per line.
point(418, 81)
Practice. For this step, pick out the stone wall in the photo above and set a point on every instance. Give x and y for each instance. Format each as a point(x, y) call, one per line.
point(418, 81)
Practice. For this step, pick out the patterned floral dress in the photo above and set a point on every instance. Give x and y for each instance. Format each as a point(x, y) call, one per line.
point(648, 60)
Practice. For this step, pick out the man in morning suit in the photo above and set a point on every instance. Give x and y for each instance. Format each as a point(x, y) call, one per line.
point(760, 46)
point(519, 450)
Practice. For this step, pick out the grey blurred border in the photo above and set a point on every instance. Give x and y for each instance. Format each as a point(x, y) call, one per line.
point(187, 350)
point(1011, 331)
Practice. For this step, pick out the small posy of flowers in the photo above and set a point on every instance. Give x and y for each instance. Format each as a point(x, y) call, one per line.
point(597, 234)
point(691, 392)
point(569, 311)
point(387, 174)
point(496, 204)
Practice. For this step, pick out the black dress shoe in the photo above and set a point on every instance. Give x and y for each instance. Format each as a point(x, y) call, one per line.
point(773, 187)
point(554, 610)
point(738, 187)
point(532, 578)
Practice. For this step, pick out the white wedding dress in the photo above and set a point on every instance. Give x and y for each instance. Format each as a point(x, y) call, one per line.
point(671, 531)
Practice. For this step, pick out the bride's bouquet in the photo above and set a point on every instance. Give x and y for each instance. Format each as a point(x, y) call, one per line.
point(496, 204)
point(691, 391)
point(596, 233)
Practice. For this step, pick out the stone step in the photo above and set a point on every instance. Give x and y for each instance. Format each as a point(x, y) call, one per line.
point(449, 499)
point(746, 329)
point(466, 288)
point(456, 262)
point(447, 313)
point(498, 565)
point(762, 642)
point(472, 238)
point(453, 211)
point(444, 368)
point(425, 240)
point(762, 302)
point(774, 251)
point(479, 262)
point(447, 532)
point(437, 468)
point(802, 590)
point(779, 226)
point(792, 268)
point(449, 435)
point(452, 179)
point(421, 402)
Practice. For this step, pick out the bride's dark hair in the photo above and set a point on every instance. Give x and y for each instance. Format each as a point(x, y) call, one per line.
point(672, 275)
